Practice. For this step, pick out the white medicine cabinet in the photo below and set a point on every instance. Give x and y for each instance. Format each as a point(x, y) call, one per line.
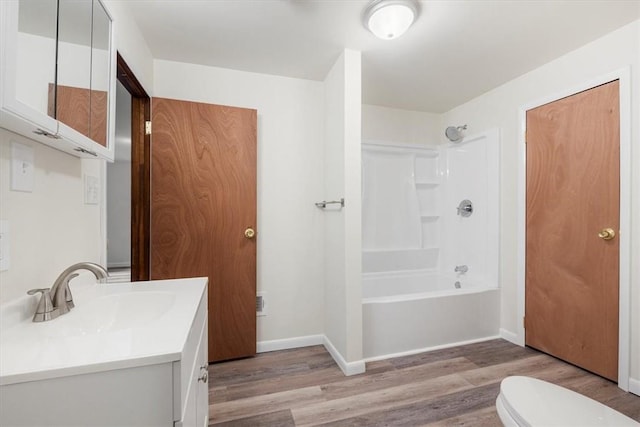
point(57, 81)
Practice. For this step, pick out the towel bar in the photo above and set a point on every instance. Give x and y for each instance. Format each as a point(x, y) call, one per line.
point(323, 204)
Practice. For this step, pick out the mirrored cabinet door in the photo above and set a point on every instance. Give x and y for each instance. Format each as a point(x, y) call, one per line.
point(70, 98)
point(34, 54)
point(100, 74)
point(57, 78)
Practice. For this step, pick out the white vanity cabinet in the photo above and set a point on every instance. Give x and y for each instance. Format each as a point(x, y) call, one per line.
point(57, 82)
point(191, 376)
point(150, 375)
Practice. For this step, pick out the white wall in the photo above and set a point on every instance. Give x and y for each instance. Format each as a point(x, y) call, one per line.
point(343, 235)
point(335, 303)
point(471, 171)
point(400, 126)
point(290, 181)
point(51, 227)
point(131, 44)
point(500, 108)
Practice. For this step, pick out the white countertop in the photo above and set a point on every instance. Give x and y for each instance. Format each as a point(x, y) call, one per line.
point(113, 326)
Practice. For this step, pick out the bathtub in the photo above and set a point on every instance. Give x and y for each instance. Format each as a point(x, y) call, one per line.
point(406, 313)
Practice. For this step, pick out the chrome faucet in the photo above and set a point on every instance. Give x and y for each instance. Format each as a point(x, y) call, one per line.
point(461, 269)
point(58, 300)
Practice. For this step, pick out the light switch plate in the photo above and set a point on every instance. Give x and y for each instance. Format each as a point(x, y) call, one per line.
point(91, 190)
point(4, 245)
point(21, 167)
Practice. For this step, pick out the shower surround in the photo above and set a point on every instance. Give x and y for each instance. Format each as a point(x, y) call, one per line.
point(430, 270)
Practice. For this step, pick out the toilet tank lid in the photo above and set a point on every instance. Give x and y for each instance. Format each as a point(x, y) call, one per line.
point(534, 402)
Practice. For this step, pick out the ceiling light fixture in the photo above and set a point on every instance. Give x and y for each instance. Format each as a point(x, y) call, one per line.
point(389, 19)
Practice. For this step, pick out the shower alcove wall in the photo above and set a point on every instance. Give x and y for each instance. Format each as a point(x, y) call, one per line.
point(402, 194)
point(414, 297)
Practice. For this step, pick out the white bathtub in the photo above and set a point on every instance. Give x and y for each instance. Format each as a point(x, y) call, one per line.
point(405, 313)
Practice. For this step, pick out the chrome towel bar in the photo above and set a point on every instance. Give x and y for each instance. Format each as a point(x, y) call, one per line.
point(323, 204)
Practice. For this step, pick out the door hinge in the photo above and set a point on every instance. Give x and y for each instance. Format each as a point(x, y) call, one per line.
point(147, 127)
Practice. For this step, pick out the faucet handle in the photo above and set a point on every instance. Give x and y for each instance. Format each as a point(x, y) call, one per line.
point(45, 310)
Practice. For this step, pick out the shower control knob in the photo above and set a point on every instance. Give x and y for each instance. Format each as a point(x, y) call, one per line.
point(607, 234)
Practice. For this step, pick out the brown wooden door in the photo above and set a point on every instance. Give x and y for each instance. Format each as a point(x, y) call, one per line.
point(573, 174)
point(203, 197)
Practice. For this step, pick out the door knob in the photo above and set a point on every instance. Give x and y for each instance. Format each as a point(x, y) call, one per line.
point(607, 234)
point(249, 233)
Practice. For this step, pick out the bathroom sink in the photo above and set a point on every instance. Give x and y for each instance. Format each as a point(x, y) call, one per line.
point(111, 326)
point(114, 312)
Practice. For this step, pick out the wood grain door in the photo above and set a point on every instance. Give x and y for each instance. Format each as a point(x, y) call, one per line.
point(572, 272)
point(203, 198)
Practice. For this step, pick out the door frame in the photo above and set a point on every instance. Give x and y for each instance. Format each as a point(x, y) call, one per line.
point(140, 176)
point(624, 331)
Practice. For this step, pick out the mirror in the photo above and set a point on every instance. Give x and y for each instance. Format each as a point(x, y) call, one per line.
point(72, 92)
point(100, 67)
point(36, 53)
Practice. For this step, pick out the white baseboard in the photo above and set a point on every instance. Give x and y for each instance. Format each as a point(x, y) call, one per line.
point(426, 349)
point(348, 368)
point(288, 343)
point(510, 336)
point(634, 386)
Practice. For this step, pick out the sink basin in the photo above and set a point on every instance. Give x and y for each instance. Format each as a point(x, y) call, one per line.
point(114, 312)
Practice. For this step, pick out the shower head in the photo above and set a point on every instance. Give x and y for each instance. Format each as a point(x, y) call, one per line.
point(455, 133)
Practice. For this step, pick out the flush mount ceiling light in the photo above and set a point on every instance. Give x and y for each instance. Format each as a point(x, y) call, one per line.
point(389, 19)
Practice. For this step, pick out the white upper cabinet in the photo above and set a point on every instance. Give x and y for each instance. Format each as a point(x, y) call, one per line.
point(58, 85)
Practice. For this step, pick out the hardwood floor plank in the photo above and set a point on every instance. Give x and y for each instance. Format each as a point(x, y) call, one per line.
point(291, 381)
point(481, 353)
point(279, 418)
point(426, 410)
point(496, 373)
point(499, 353)
point(626, 403)
point(217, 394)
point(385, 398)
point(372, 382)
point(379, 366)
point(265, 365)
point(263, 371)
point(264, 404)
point(485, 417)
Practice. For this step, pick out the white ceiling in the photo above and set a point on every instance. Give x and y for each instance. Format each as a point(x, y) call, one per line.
point(454, 52)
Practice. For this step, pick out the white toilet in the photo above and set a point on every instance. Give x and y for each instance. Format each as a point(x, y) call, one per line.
point(529, 402)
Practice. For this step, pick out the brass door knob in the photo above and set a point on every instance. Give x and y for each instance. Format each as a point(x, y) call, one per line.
point(607, 234)
point(249, 233)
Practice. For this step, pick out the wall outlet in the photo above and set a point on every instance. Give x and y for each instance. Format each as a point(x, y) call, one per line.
point(21, 167)
point(91, 190)
point(4, 245)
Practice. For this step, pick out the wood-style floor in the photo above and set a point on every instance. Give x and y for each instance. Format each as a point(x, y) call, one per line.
point(452, 387)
